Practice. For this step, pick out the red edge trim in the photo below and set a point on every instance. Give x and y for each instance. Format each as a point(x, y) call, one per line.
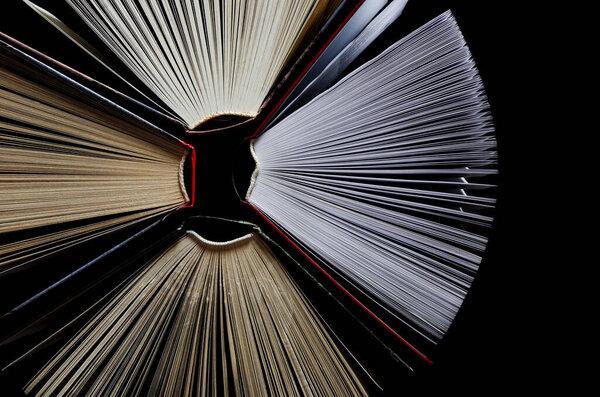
point(260, 127)
point(193, 200)
point(344, 290)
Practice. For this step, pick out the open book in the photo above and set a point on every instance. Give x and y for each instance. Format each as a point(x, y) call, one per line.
point(375, 172)
point(203, 63)
point(384, 179)
point(75, 165)
point(202, 317)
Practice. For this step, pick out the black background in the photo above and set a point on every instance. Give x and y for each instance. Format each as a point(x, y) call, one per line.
point(495, 341)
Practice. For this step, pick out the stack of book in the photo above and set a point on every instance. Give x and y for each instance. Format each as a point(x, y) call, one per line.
point(364, 168)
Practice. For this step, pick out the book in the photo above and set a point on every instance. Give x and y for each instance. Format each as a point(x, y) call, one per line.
point(385, 178)
point(207, 63)
point(96, 169)
point(375, 172)
point(224, 314)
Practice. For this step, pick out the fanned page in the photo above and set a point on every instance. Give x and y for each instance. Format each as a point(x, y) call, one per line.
point(70, 171)
point(203, 318)
point(205, 59)
point(364, 27)
point(387, 177)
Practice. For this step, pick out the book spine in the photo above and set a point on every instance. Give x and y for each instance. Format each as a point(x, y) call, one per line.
point(228, 243)
point(255, 172)
point(190, 202)
point(242, 124)
point(181, 177)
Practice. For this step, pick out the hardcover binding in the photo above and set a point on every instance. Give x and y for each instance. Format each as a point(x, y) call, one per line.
point(192, 199)
point(287, 238)
point(129, 103)
point(84, 92)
